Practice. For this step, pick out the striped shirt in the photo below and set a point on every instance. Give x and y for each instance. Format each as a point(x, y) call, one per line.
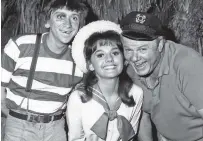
point(52, 79)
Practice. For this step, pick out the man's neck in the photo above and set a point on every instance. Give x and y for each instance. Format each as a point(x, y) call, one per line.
point(152, 79)
point(54, 45)
point(155, 73)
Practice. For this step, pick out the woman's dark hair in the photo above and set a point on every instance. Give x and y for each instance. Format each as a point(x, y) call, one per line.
point(89, 79)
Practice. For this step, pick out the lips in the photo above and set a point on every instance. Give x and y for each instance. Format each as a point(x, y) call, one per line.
point(109, 67)
point(65, 32)
point(140, 65)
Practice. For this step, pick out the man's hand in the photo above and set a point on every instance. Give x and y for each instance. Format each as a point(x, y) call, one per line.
point(4, 109)
point(160, 137)
point(145, 129)
point(201, 112)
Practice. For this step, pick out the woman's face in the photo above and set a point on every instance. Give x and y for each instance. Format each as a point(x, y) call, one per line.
point(107, 60)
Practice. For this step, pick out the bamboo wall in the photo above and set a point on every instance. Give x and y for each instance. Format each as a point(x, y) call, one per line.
point(183, 17)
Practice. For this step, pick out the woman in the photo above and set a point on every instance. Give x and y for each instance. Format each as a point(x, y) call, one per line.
point(108, 105)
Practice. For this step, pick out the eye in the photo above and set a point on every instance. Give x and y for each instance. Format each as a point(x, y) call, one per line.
point(75, 18)
point(60, 16)
point(115, 53)
point(143, 50)
point(99, 55)
point(128, 50)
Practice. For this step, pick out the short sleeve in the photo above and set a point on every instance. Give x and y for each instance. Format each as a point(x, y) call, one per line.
point(8, 61)
point(190, 75)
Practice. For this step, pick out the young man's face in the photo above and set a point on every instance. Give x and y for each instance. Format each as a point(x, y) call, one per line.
point(142, 55)
point(64, 24)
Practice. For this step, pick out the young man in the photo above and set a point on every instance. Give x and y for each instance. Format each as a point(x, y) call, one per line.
point(171, 76)
point(38, 115)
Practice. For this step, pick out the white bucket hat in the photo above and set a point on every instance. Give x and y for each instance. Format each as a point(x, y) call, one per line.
point(83, 34)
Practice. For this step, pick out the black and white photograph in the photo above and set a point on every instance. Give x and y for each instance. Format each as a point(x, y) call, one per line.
point(101, 70)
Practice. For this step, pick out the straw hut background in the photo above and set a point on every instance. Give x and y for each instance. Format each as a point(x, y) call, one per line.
point(184, 18)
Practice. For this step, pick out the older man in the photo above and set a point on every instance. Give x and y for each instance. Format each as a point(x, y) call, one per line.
point(171, 76)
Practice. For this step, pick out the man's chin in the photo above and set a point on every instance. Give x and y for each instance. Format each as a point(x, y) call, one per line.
point(65, 41)
point(142, 74)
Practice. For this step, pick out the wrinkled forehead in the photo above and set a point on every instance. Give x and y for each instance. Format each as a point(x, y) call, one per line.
point(134, 43)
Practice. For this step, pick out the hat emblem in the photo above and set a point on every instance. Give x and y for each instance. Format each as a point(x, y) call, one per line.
point(140, 18)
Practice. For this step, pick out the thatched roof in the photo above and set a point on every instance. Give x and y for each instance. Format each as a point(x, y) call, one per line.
point(183, 17)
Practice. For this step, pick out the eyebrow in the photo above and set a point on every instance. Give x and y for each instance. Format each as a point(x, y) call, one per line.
point(114, 48)
point(62, 12)
point(75, 14)
point(58, 12)
point(135, 46)
point(97, 51)
point(125, 46)
point(143, 46)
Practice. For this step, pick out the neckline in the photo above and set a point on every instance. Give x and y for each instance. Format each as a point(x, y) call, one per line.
point(52, 54)
point(115, 105)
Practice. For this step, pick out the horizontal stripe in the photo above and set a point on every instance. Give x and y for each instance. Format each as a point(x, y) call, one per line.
point(26, 39)
point(21, 81)
point(7, 63)
point(35, 94)
point(26, 47)
point(4, 84)
point(5, 75)
point(49, 78)
point(27, 50)
point(12, 50)
point(48, 65)
point(35, 105)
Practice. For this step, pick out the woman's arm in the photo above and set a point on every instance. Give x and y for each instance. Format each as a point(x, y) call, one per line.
point(74, 118)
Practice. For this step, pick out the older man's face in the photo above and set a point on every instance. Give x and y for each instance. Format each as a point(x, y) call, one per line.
point(142, 55)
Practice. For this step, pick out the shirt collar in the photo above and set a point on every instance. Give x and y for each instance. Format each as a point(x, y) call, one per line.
point(165, 62)
point(52, 54)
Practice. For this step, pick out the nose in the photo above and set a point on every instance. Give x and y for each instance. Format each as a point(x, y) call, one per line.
point(109, 58)
point(67, 23)
point(135, 56)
